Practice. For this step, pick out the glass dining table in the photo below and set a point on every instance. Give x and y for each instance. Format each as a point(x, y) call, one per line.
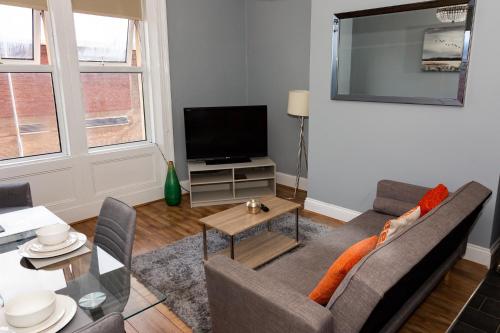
point(94, 271)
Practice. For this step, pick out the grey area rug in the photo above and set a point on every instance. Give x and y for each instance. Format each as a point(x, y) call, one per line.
point(177, 270)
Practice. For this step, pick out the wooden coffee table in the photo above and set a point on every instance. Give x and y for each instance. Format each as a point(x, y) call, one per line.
point(255, 250)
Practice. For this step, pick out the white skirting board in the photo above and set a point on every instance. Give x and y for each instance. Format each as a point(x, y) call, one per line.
point(475, 253)
point(289, 180)
point(330, 210)
point(478, 254)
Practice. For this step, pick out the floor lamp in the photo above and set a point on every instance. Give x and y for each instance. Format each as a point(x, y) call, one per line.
point(298, 106)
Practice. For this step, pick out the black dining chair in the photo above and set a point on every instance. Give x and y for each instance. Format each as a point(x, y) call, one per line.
point(115, 230)
point(14, 197)
point(111, 323)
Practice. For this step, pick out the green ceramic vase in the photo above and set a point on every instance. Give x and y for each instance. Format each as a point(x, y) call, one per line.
point(172, 187)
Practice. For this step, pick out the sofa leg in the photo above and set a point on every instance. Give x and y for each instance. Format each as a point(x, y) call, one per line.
point(447, 277)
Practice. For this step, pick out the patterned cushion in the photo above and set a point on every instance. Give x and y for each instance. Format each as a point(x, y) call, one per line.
point(392, 226)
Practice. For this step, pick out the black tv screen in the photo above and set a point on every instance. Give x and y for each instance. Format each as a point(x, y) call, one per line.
point(226, 132)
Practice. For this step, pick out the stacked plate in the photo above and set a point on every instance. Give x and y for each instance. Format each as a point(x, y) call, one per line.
point(52, 241)
point(34, 312)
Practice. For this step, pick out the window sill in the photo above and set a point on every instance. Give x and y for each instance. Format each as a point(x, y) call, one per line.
point(33, 160)
point(121, 148)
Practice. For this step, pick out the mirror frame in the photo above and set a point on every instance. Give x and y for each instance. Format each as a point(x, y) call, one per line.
point(462, 85)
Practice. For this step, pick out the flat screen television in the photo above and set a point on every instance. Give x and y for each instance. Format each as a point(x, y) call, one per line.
point(226, 134)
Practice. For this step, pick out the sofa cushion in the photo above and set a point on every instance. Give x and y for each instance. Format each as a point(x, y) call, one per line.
point(340, 267)
point(433, 198)
point(391, 227)
point(301, 270)
point(368, 282)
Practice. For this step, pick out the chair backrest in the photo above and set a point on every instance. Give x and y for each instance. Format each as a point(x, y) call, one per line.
point(111, 323)
point(15, 195)
point(115, 230)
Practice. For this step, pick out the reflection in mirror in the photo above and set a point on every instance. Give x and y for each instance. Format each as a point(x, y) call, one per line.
point(410, 54)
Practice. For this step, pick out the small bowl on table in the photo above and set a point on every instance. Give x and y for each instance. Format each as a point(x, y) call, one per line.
point(53, 234)
point(30, 309)
point(254, 206)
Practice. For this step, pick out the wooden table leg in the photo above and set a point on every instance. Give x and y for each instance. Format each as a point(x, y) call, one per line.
point(297, 225)
point(232, 247)
point(205, 247)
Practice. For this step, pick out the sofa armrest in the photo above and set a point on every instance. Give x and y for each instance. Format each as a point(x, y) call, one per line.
point(15, 195)
point(400, 191)
point(395, 198)
point(242, 300)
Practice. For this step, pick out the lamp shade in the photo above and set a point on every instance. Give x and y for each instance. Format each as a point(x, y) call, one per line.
point(298, 103)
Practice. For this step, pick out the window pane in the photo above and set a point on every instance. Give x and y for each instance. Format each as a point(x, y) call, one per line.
point(101, 38)
point(28, 121)
point(114, 108)
point(16, 33)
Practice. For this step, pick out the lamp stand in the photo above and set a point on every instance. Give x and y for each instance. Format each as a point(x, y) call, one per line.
point(301, 151)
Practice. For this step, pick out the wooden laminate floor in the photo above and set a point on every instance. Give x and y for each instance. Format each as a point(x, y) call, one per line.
point(159, 225)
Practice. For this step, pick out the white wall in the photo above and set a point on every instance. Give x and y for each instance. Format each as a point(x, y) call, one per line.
point(74, 188)
point(354, 144)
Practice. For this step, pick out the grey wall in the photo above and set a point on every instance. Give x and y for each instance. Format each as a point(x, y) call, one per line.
point(207, 60)
point(355, 144)
point(237, 52)
point(391, 48)
point(278, 34)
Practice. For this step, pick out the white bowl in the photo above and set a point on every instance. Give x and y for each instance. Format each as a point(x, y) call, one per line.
point(30, 309)
point(53, 234)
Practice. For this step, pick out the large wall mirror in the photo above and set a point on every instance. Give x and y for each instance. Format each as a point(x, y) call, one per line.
point(416, 53)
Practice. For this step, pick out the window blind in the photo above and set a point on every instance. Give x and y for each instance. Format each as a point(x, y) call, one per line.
point(129, 9)
point(35, 4)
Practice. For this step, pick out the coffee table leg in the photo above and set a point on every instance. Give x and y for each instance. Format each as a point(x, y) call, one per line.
point(297, 225)
point(268, 225)
point(232, 247)
point(205, 247)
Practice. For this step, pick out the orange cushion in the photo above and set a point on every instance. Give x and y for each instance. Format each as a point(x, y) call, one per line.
point(339, 269)
point(392, 226)
point(432, 198)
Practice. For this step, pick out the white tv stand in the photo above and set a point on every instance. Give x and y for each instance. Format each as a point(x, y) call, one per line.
point(231, 183)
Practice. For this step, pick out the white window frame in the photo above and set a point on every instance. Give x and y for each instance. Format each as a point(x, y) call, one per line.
point(128, 56)
point(66, 69)
point(113, 67)
point(34, 66)
point(36, 21)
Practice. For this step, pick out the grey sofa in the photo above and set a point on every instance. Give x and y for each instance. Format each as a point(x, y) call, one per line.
point(15, 197)
point(377, 295)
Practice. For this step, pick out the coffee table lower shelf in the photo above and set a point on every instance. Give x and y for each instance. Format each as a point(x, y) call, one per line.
point(258, 250)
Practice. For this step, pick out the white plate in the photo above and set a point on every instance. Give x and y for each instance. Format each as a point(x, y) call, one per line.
point(64, 312)
point(35, 246)
point(70, 312)
point(27, 253)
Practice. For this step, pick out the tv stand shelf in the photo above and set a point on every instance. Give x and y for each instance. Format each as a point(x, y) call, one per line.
point(219, 184)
